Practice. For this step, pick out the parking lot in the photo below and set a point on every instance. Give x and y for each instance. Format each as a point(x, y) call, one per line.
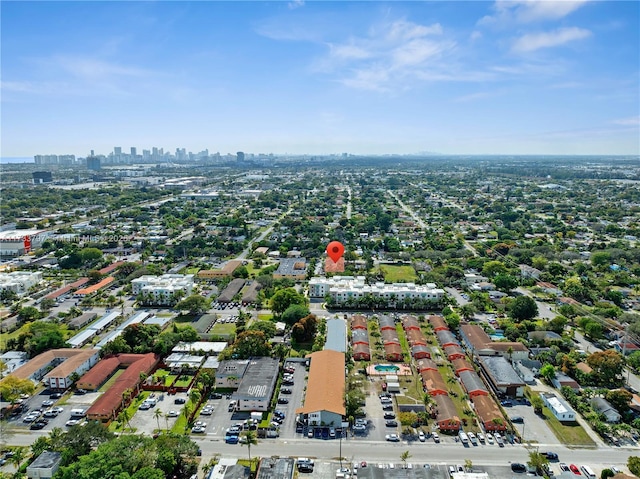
point(46, 404)
point(534, 426)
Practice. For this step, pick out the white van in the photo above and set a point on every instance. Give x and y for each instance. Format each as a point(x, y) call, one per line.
point(78, 413)
point(588, 471)
point(464, 439)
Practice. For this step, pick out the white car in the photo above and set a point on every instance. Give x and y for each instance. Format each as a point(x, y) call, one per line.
point(72, 422)
point(489, 438)
point(173, 413)
point(392, 437)
point(422, 437)
point(436, 438)
point(481, 437)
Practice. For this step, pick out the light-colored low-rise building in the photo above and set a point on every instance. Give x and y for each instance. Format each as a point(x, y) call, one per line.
point(163, 289)
point(19, 282)
point(558, 407)
point(344, 288)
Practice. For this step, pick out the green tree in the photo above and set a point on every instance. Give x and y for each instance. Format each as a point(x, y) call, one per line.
point(548, 371)
point(284, 298)
point(267, 327)
point(195, 304)
point(12, 387)
point(493, 268)
point(29, 313)
point(537, 403)
point(523, 308)
point(46, 304)
point(157, 414)
point(294, 313)
point(633, 463)
point(404, 457)
point(619, 399)
point(633, 360)
point(468, 465)
point(538, 461)
point(250, 438)
point(251, 344)
point(608, 367)
point(505, 282)
point(607, 473)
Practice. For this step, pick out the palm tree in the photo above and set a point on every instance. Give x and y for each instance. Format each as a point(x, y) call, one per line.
point(510, 353)
point(404, 457)
point(468, 465)
point(124, 417)
point(251, 440)
point(17, 458)
point(157, 414)
point(166, 420)
point(195, 396)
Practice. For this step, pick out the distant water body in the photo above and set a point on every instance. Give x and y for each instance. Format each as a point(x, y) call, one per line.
point(16, 159)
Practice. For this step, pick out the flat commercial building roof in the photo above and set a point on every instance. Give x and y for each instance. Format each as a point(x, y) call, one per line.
point(259, 379)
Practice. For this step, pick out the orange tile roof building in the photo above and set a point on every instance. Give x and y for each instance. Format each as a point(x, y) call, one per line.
point(107, 406)
point(488, 413)
point(446, 413)
point(95, 287)
point(438, 323)
point(324, 400)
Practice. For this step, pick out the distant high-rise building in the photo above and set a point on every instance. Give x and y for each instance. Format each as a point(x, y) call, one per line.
point(93, 163)
point(92, 153)
point(146, 154)
point(117, 150)
point(240, 157)
point(40, 177)
point(134, 152)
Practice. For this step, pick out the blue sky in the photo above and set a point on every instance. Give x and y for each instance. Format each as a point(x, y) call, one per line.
point(521, 77)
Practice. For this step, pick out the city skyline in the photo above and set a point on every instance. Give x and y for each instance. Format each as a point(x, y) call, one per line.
point(321, 77)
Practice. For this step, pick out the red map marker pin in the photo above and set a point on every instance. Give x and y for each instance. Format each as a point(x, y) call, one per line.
point(335, 250)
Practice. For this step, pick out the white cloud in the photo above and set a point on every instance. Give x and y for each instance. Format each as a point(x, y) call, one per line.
point(481, 95)
point(631, 121)
point(534, 41)
point(475, 35)
point(295, 4)
point(528, 11)
point(390, 56)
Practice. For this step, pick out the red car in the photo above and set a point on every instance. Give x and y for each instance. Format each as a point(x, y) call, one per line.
point(575, 469)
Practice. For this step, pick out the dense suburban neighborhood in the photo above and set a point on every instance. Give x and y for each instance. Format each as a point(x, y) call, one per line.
point(479, 324)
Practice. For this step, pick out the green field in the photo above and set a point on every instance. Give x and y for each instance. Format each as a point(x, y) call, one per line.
point(398, 274)
point(569, 434)
point(223, 329)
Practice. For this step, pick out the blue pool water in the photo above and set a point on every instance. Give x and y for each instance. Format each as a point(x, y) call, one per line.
point(386, 367)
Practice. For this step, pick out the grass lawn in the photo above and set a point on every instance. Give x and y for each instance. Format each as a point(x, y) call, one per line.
point(265, 316)
point(569, 434)
point(111, 380)
point(398, 274)
point(192, 270)
point(183, 381)
point(223, 329)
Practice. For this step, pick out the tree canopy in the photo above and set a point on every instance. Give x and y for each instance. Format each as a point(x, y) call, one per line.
point(523, 308)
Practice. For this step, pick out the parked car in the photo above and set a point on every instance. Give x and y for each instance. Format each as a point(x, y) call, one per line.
point(392, 437)
point(179, 401)
point(389, 415)
point(518, 467)
point(436, 438)
point(564, 467)
point(216, 396)
point(421, 436)
point(391, 423)
point(283, 400)
point(172, 413)
point(517, 419)
point(551, 456)
point(575, 469)
point(285, 391)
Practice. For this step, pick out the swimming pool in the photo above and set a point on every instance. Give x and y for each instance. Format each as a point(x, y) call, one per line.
point(386, 367)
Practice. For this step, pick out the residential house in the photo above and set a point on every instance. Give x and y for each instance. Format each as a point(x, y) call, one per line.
point(604, 407)
point(558, 407)
point(446, 414)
